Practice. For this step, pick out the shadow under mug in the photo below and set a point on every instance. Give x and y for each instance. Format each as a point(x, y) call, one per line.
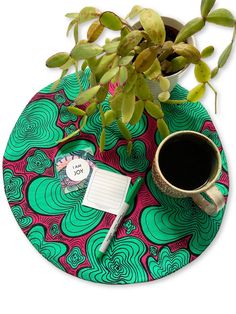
point(206, 196)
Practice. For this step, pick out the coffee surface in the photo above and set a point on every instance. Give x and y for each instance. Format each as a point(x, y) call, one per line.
point(187, 162)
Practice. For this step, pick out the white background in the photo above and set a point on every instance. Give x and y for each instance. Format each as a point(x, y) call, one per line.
point(30, 32)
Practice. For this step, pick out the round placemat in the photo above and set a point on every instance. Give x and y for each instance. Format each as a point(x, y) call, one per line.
point(159, 234)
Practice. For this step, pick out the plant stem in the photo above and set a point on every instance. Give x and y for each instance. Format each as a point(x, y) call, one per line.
point(216, 95)
point(68, 137)
point(175, 102)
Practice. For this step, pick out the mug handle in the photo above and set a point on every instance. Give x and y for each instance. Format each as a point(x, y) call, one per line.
point(216, 197)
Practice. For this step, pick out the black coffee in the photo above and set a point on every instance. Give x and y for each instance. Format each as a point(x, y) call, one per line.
point(187, 161)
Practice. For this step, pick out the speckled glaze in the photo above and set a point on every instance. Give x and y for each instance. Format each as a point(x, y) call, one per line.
point(210, 189)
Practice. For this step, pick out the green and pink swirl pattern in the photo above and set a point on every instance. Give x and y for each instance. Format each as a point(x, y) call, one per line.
point(159, 234)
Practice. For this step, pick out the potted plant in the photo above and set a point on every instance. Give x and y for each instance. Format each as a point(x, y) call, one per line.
point(144, 62)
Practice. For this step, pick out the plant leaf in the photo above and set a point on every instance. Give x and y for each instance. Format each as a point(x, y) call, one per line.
point(116, 101)
point(125, 60)
point(177, 64)
point(221, 17)
point(110, 20)
point(191, 28)
point(188, 51)
point(72, 23)
point(164, 83)
point(128, 106)
point(164, 96)
point(145, 59)
point(128, 42)
point(88, 14)
point(94, 31)
point(124, 130)
point(207, 52)
point(91, 109)
point(57, 60)
point(111, 47)
point(102, 141)
point(154, 26)
point(110, 117)
point(87, 95)
point(154, 71)
point(225, 56)
point(142, 90)
point(72, 15)
point(202, 72)
point(138, 112)
point(102, 93)
point(123, 75)
point(154, 110)
point(134, 12)
point(196, 93)
point(76, 33)
point(86, 51)
point(76, 111)
point(107, 77)
point(103, 65)
point(132, 77)
point(206, 7)
point(163, 128)
point(68, 64)
point(214, 72)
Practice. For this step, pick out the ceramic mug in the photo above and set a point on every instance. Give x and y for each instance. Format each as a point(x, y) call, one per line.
point(213, 200)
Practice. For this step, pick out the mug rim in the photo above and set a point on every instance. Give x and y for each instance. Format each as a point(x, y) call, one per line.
point(195, 191)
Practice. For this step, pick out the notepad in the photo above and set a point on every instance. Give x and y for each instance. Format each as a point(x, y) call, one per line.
point(106, 191)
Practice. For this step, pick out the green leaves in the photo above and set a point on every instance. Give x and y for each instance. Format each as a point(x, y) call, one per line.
point(207, 52)
point(128, 106)
point(111, 47)
point(86, 51)
point(196, 93)
point(202, 72)
point(129, 42)
point(154, 71)
point(206, 7)
point(221, 17)
point(108, 76)
point(138, 111)
point(57, 60)
point(190, 29)
point(177, 64)
point(225, 55)
point(145, 59)
point(102, 141)
point(134, 12)
point(164, 83)
point(76, 111)
point(142, 90)
point(154, 26)
point(187, 51)
point(123, 75)
point(110, 117)
point(94, 31)
point(124, 130)
point(154, 110)
point(111, 20)
point(87, 95)
point(87, 14)
point(164, 96)
point(163, 128)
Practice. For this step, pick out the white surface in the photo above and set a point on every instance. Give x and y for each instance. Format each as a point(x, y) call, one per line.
point(30, 32)
point(103, 195)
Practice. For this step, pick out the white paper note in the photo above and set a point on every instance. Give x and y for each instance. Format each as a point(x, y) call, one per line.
point(106, 191)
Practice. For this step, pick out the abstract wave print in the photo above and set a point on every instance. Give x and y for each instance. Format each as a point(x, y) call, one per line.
point(159, 234)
